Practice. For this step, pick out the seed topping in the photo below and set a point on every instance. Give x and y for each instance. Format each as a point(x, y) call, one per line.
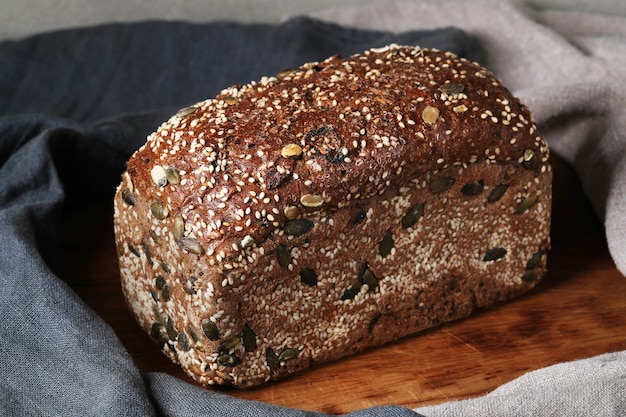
point(190, 245)
point(291, 212)
point(210, 330)
point(158, 175)
point(288, 354)
point(128, 197)
point(292, 150)
point(308, 276)
point(297, 227)
point(186, 111)
point(473, 188)
point(172, 176)
point(430, 115)
point(248, 338)
point(271, 359)
point(497, 193)
point(246, 242)
point(386, 244)
point(440, 185)
point(283, 256)
point(178, 228)
point(494, 254)
point(311, 200)
point(412, 216)
point(530, 160)
point(228, 360)
point(451, 89)
point(158, 211)
point(526, 204)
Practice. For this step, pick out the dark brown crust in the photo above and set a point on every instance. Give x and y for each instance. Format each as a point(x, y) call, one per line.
point(403, 89)
point(376, 132)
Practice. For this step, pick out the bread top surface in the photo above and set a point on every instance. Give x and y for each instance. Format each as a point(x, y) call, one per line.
point(238, 167)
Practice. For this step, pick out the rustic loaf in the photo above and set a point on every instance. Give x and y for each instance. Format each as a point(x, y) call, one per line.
point(336, 206)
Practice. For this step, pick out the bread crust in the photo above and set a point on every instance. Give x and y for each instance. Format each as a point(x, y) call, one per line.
point(333, 207)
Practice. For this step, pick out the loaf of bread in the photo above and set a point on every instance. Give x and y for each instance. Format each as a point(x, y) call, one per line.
point(334, 207)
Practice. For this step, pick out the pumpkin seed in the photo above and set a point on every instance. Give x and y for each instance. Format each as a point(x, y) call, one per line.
point(497, 193)
point(271, 359)
point(370, 280)
point(430, 115)
point(196, 338)
point(473, 188)
point(172, 333)
point(190, 285)
point(357, 215)
point(249, 339)
point(532, 275)
point(183, 341)
point(190, 245)
point(530, 160)
point(291, 212)
point(156, 238)
point(133, 250)
point(155, 330)
point(228, 360)
point(284, 256)
point(229, 344)
point(362, 270)
point(439, 185)
point(146, 251)
point(128, 197)
point(229, 100)
point(172, 175)
point(352, 291)
point(155, 296)
point(494, 254)
point(284, 72)
point(292, 150)
point(178, 228)
point(311, 200)
point(165, 292)
point(186, 111)
point(166, 267)
point(386, 244)
point(159, 313)
point(308, 276)
point(246, 242)
point(158, 211)
point(210, 330)
point(297, 227)
point(535, 261)
point(288, 354)
point(412, 216)
point(526, 204)
point(158, 175)
point(159, 282)
point(452, 89)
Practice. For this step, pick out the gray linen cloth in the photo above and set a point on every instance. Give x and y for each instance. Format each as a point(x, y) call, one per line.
point(569, 68)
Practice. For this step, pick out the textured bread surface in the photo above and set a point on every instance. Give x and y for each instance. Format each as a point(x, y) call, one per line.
point(336, 206)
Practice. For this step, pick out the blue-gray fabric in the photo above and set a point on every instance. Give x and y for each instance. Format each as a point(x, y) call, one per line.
point(73, 106)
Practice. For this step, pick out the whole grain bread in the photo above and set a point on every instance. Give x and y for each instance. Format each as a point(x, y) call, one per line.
point(333, 207)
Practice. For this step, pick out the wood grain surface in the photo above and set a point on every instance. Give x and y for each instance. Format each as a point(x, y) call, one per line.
point(577, 311)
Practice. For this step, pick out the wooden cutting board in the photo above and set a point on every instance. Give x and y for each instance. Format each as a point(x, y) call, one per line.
point(577, 311)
